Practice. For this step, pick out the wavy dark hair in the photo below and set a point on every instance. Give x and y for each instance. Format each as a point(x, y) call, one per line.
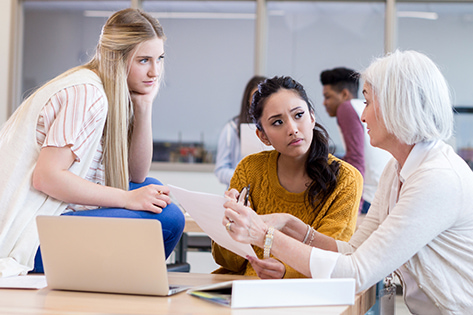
point(323, 174)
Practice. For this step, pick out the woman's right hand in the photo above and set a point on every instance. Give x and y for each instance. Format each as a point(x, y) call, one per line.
point(153, 198)
point(244, 224)
point(232, 194)
point(276, 220)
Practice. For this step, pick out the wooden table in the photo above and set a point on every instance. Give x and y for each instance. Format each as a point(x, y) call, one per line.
point(191, 225)
point(181, 247)
point(52, 302)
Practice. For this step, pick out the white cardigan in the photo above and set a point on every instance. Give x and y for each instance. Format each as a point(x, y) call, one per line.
point(20, 203)
point(429, 230)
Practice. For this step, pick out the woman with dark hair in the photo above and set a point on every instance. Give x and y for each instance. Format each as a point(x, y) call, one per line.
point(228, 149)
point(298, 178)
point(420, 224)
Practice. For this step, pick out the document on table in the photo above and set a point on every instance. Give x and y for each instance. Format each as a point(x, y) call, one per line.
point(275, 292)
point(207, 210)
point(23, 282)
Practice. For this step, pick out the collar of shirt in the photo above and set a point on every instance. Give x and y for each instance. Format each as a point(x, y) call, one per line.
point(415, 158)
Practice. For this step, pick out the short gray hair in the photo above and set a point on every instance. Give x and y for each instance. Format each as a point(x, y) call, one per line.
point(413, 96)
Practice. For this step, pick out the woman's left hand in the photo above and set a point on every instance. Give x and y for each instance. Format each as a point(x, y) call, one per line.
point(245, 224)
point(267, 268)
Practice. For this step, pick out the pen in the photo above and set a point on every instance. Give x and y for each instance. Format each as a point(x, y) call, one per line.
point(244, 195)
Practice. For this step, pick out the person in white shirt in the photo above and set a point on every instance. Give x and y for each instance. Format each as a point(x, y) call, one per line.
point(228, 148)
point(82, 144)
point(420, 224)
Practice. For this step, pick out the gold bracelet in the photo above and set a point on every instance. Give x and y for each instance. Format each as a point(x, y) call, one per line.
point(268, 242)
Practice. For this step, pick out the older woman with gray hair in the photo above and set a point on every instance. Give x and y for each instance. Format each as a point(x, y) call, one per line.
point(420, 224)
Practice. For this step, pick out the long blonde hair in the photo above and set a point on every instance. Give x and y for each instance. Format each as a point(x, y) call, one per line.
point(122, 32)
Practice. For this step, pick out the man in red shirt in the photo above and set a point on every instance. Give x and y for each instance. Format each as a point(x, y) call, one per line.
point(340, 89)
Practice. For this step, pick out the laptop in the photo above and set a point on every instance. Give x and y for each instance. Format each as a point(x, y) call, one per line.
point(249, 141)
point(113, 255)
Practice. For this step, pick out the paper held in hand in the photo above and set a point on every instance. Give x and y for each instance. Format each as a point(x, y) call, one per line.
point(208, 211)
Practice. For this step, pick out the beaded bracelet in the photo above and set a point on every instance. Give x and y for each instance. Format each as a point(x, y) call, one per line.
point(307, 234)
point(312, 236)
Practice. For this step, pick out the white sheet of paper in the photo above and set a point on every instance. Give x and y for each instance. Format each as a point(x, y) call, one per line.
point(249, 141)
point(207, 210)
point(23, 282)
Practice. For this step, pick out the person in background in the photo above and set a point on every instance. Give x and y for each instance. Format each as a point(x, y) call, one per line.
point(340, 90)
point(82, 144)
point(228, 149)
point(420, 224)
point(299, 177)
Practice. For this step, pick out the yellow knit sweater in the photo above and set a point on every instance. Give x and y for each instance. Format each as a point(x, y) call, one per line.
point(337, 217)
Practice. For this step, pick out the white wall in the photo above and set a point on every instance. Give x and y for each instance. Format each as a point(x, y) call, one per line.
point(448, 41)
point(312, 37)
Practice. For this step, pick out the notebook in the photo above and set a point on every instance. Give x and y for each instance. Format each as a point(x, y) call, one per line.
point(278, 292)
point(113, 255)
point(249, 141)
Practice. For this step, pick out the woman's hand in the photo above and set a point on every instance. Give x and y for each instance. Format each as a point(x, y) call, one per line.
point(141, 144)
point(232, 194)
point(276, 220)
point(52, 177)
point(245, 225)
point(141, 101)
point(267, 268)
point(151, 198)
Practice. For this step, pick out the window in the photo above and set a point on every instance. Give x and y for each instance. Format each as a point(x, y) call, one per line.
point(306, 38)
point(210, 54)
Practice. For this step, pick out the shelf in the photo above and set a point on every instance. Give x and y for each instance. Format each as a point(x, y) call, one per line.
point(182, 167)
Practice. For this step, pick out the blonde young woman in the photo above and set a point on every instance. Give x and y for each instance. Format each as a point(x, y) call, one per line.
point(82, 144)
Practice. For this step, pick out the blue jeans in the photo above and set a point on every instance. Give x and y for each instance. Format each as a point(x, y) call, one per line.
point(171, 218)
point(366, 206)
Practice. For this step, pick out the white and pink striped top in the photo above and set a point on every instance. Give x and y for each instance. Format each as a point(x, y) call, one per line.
point(70, 118)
